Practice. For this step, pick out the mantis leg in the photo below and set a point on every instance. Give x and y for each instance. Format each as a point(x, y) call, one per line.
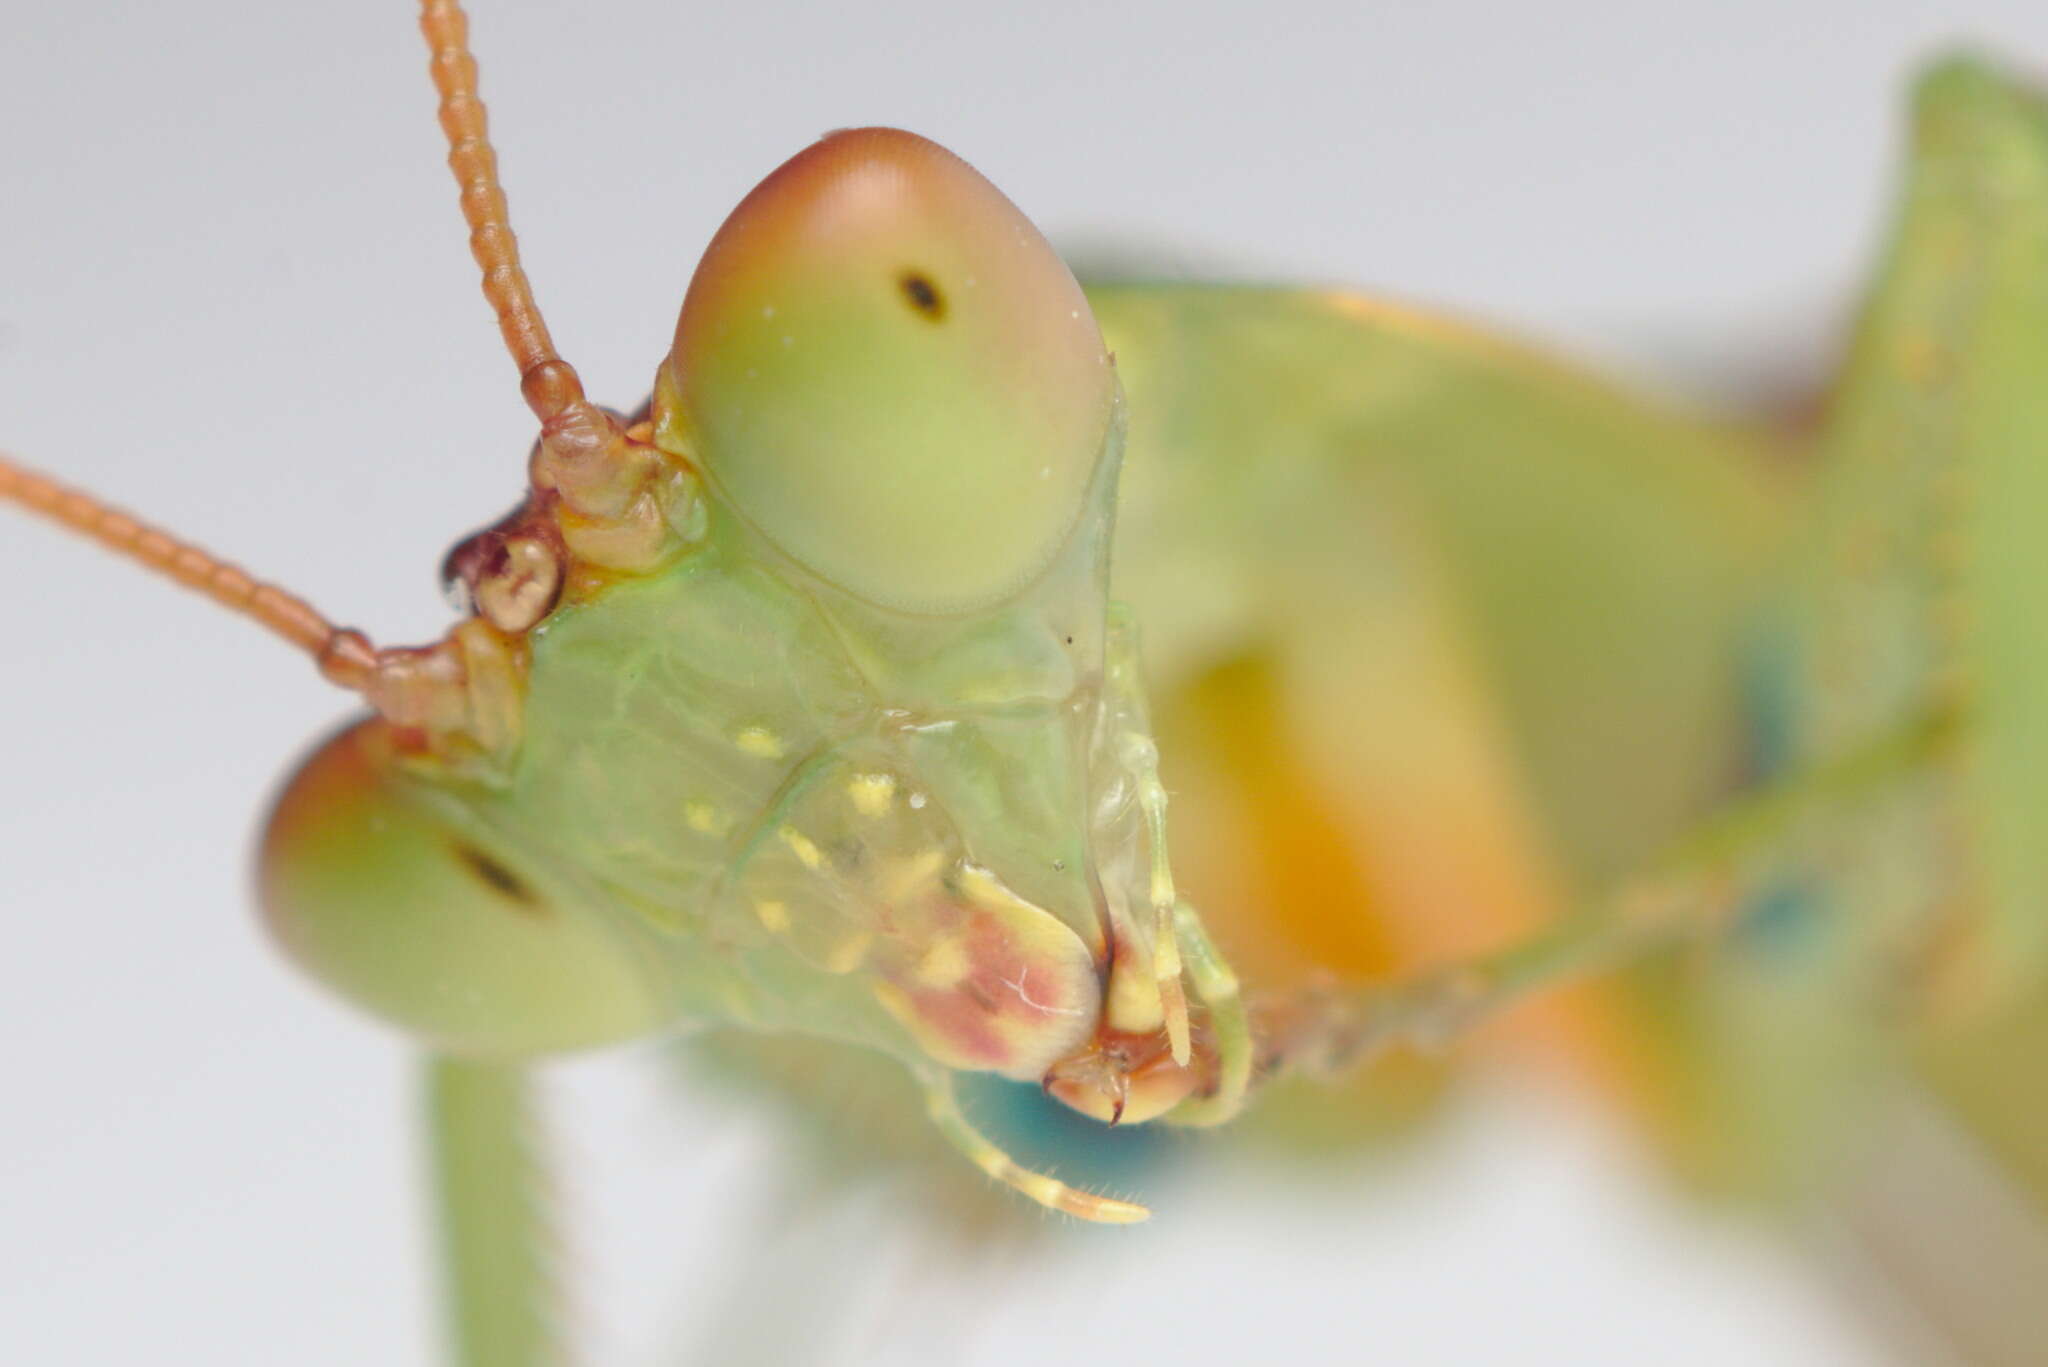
point(1229, 1024)
point(1139, 756)
point(496, 1244)
point(944, 1109)
point(1180, 942)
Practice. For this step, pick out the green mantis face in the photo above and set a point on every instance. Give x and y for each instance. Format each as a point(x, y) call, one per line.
point(863, 756)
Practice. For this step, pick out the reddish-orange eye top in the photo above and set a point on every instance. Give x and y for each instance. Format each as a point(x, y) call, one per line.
point(888, 371)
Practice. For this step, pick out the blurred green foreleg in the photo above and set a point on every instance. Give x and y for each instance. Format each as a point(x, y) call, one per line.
point(497, 1250)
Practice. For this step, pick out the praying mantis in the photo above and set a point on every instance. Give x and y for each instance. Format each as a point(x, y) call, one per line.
point(471, 514)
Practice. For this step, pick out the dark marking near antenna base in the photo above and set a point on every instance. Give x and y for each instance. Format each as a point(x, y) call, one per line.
point(923, 295)
point(500, 878)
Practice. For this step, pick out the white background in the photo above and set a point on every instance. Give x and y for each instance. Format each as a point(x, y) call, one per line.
point(234, 295)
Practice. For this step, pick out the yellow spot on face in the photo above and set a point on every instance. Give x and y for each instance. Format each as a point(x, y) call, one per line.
point(944, 964)
point(896, 1002)
point(907, 877)
point(849, 953)
point(759, 742)
point(705, 818)
point(803, 847)
point(985, 889)
point(774, 916)
point(1134, 1003)
point(871, 793)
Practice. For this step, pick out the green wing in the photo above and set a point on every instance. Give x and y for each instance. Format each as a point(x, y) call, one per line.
point(1309, 472)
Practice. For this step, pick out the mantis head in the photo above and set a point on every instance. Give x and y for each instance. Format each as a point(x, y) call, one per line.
point(799, 705)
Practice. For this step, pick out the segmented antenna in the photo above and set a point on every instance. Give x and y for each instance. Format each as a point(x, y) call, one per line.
point(466, 683)
point(343, 655)
point(570, 423)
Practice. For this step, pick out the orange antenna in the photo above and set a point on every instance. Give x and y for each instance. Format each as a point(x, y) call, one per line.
point(570, 422)
point(343, 655)
point(440, 687)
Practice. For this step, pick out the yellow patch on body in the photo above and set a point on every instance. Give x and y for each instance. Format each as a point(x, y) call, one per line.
point(705, 819)
point(871, 794)
point(803, 847)
point(759, 742)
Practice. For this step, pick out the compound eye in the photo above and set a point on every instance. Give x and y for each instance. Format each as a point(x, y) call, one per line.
point(889, 372)
point(450, 935)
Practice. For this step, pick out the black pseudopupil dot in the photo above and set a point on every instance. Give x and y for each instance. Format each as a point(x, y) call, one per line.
point(496, 875)
point(922, 294)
